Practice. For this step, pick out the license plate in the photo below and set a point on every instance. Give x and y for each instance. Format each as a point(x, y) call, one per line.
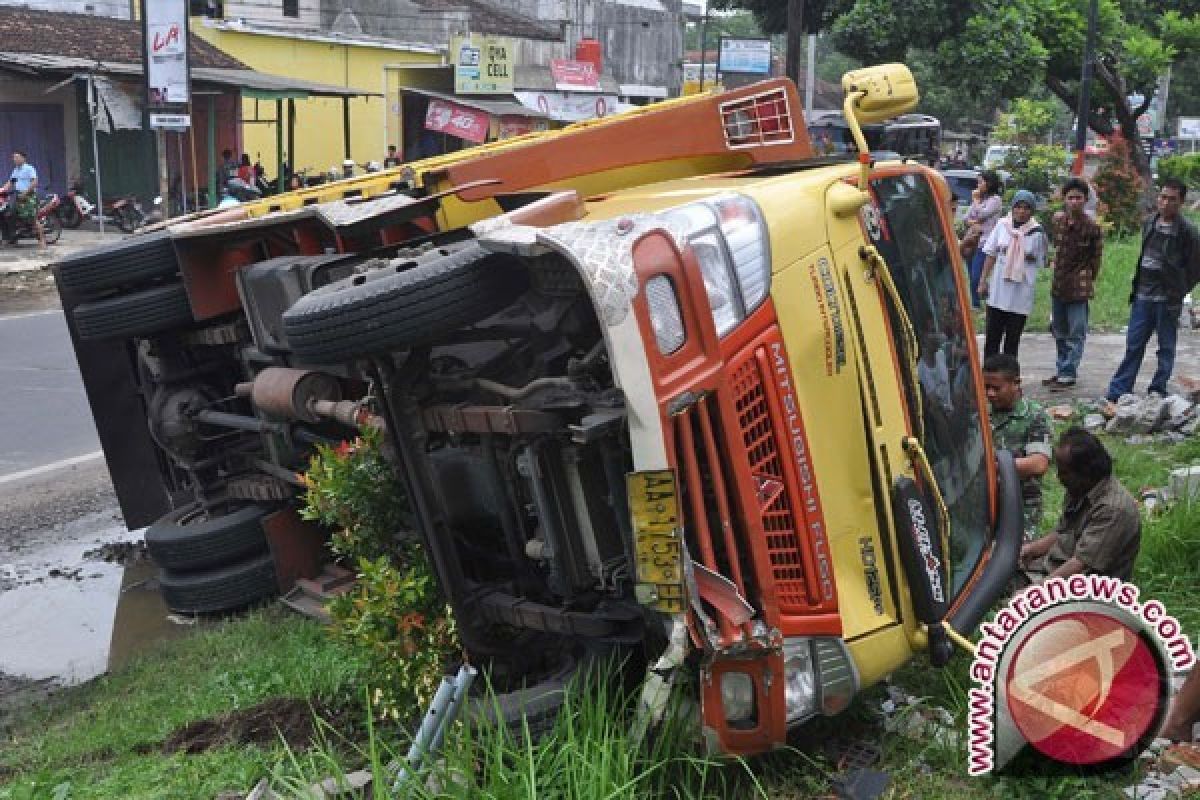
point(654, 508)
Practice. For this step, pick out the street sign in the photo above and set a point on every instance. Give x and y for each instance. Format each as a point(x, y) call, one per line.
point(744, 55)
point(482, 64)
point(1189, 127)
point(165, 58)
point(171, 122)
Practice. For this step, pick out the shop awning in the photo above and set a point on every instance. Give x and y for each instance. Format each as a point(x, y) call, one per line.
point(252, 83)
point(500, 105)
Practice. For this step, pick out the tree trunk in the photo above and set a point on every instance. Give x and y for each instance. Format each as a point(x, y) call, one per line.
point(795, 39)
point(1127, 118)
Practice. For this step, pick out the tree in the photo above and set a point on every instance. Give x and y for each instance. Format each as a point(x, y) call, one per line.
point(1003, 51)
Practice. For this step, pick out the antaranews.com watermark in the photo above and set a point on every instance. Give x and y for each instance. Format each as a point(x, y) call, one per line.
point(1078, 667)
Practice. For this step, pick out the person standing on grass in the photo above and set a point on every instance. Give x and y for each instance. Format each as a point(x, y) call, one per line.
point(986, 208)
point(1014, 252)
point(1078, 253)
point(1167, 269)
point(1021, 426)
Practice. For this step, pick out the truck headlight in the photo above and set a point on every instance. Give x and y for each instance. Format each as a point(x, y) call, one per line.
point(729, 239)
point(799, 680)
point(746, 237)
point(714, 267)
point(737, 696)
point(665, 317)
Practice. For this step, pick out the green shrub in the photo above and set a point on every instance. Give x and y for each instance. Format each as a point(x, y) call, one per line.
point(395, 616)
point(1040, 168)
point(1119, 187)
point(1184, 167)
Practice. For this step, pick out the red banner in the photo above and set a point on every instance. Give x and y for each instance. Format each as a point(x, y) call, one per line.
point(465, 123)
point(569, 75)
point(514, 126)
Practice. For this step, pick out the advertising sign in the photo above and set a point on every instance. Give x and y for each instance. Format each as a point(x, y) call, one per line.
point(574, 76)
point(509, 127)
point(1189, 127)
point(565, 107)
point(482, 64)
point(465, 123)
point(745, 55)
point(165, 59)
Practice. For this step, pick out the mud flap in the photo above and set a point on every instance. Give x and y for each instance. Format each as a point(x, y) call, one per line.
point(920, 551)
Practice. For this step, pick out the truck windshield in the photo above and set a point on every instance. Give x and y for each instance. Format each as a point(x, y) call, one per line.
point(913, 243)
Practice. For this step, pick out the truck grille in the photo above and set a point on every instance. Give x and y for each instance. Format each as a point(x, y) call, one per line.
point(736, 515)
point(775, 506)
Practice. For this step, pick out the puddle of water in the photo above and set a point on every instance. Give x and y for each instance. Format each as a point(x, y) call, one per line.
point(57, 607)
point(141, 617)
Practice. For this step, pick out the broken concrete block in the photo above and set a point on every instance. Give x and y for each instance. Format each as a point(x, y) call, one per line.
point(1125, 415)
point(1152, 413)
point(1191, 427)
point(1179, 411)
point(347, 784)
point(1093, 422)
point(1185, 483)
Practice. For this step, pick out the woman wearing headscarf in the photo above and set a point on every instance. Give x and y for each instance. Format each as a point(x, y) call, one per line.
point(1013, 254)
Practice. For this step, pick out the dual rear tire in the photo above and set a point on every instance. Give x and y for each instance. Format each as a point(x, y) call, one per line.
point(214, 560)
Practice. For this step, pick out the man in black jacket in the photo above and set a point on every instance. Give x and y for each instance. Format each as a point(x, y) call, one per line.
point(1167, 269)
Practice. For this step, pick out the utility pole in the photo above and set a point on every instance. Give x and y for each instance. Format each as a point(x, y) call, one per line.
point(704, 46)
point(1085, 82)
point(795, 38)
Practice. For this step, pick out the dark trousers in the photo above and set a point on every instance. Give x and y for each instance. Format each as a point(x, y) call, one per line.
point(1147, 318)
point(1002, 333)
point(1069, 324)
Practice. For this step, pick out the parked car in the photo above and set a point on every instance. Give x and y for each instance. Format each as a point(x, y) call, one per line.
point(650, 395)
point(962, 183)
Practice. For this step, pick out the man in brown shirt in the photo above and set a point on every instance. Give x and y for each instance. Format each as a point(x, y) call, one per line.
point(1078, 252)
point(1100, 530)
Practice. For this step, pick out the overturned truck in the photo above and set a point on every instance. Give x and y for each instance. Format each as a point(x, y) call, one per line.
point(651, 384)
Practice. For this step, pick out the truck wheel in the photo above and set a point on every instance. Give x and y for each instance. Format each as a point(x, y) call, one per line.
point(227, 588)
point(189, 538)
point(126, 263)
point(401, 303)
point(136, 314)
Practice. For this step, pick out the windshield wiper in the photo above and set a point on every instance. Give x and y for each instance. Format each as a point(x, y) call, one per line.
point(878, 268)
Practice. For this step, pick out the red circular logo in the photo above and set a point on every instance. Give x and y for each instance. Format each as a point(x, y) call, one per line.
point(1085, 688)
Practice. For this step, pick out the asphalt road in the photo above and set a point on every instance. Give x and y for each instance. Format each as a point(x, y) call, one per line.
point(45, 420)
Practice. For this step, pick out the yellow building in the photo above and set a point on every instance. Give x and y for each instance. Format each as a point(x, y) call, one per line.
point(363, 63)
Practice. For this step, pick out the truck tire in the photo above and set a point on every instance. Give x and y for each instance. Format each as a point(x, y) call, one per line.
point(536, 706)
point(226, 588)
point(135, 314)
point(127, 263)
point(400, 304)
point(189, 539)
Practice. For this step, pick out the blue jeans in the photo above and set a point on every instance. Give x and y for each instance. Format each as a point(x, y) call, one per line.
point(976, 269)
point(1069, 324)
point(1147, 317)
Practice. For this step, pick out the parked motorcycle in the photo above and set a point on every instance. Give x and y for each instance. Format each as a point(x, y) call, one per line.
point(16, 229)
point(75, 208)
point(124, 212)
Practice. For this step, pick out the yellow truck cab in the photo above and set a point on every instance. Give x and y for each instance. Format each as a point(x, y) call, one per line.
point(667, 384)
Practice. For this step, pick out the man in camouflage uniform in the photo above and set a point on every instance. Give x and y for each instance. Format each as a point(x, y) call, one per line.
point(1019, 425)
